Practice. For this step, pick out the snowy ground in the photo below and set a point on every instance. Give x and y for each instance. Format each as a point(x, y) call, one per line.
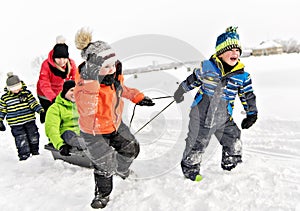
point(268, 179)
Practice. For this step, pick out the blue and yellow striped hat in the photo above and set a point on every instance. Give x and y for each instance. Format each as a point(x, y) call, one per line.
point(228, 40)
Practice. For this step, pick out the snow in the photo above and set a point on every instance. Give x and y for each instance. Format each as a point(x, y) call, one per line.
point(268, 178)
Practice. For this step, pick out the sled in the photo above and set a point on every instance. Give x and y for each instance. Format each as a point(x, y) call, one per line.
point(77, 157)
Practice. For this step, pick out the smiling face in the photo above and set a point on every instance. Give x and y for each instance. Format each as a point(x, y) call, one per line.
point(61, 61)
point(70, 95)
point(231, 57)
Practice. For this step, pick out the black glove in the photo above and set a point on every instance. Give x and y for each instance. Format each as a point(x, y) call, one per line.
point(146, 102)
point(90, 70)
point(249, 121)
point(65, 150)
point(2, 126)
point(178, 95)
point(42, 116)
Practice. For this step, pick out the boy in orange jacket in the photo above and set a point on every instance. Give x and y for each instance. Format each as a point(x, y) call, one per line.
point(98, 92)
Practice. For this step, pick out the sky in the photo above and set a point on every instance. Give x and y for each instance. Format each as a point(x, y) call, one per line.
point(30, 27)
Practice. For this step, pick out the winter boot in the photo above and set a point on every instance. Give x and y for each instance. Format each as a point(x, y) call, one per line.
point(99, 201)
point(23, 157)
point(191, 172)
point(103, 187)
point(230, 161)
point(34, 148)
point(124, 174)
point(35, 153)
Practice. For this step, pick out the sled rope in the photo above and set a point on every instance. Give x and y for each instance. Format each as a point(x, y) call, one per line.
point(155, 98)
point(152, 117)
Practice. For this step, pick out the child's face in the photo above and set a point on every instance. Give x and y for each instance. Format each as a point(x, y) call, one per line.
point(108, 69)
point(15, 91)
point(61, 61)
point(70, 95)
point(231, 57)
point(15, 88)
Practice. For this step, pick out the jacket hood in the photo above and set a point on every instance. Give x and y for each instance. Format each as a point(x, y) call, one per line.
point(50, 58)
point(59, 99)
point(217, 61)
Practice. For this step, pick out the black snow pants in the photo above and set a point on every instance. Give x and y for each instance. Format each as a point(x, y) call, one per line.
point(74, 140)
point(26, 139)
point(111, 153)
point(199, 135)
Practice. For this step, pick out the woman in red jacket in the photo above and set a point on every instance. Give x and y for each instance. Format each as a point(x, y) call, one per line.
point(98, 92)
point(55, 70)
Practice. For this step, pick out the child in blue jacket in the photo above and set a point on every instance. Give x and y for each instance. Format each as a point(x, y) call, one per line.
point(219, 79)
point(18, 106)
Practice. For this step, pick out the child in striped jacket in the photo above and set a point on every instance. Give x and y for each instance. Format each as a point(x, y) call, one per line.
point(18, 106)
point(220, 79)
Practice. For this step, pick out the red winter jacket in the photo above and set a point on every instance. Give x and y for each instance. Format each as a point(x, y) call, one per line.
point(51, 79)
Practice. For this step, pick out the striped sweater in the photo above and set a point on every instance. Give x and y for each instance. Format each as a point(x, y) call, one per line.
point(215, 83)
point(18, 108)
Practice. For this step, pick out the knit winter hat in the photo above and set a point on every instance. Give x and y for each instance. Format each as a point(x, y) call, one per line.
point(13, 82)
point(60, 50)
point(96, 54)
point(228, 40)
point(66, 87)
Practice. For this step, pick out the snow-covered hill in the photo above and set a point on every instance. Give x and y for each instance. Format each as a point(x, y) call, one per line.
point(268, 179)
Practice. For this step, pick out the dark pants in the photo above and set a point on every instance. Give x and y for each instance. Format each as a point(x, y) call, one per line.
point(110, 153)
point(26, 139)
point(226, 131)
point(74, 140)
point(45, 104)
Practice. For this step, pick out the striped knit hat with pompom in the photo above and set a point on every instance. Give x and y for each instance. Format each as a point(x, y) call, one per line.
point(228, 40)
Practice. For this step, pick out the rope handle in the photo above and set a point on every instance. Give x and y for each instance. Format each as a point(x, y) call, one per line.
point(156, 98)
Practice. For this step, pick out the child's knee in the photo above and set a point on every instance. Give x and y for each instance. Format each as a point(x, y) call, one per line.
point(131, 150)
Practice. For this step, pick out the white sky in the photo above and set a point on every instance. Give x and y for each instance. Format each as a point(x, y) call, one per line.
point(29, 28)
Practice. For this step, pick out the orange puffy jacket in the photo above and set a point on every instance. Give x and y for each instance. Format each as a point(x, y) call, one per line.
point(100, 107)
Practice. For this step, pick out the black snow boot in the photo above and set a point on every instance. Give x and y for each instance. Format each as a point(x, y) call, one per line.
point(103, 187)
point(99, 201)
point(230, 161)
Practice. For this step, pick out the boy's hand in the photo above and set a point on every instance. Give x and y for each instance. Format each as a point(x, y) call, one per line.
point(146, 102)
point(178, 95)
point(2, 126)
point(65, 150)
point(249, 121)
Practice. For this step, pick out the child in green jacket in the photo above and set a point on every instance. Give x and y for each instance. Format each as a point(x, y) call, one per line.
point(61, 124)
